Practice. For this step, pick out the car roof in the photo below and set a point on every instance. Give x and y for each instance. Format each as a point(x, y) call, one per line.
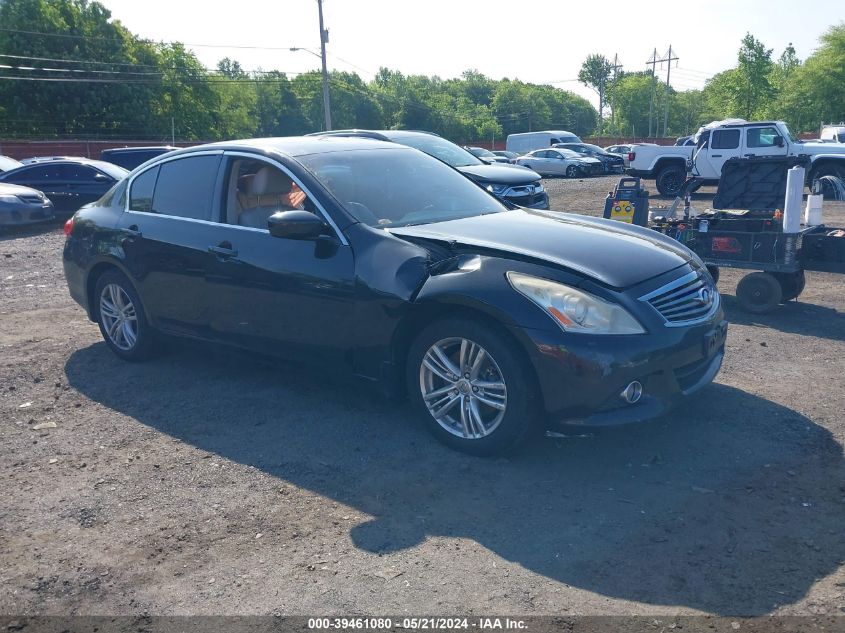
point(9, 188)
point(295, 145)
point(72, 161)
point(129, 150)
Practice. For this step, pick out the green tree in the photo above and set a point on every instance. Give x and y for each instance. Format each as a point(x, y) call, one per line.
point(595, 74)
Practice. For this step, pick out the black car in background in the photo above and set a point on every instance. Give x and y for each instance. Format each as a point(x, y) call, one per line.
point(486, 155)
point(519, 186)
point(610, 162)
point(131, 157)
point(68, 184)
point(379, 260)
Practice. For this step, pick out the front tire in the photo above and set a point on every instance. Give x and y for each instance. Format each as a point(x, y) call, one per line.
point(759, 293)
point(121, 317)
point(472, 386)
point(572, 171)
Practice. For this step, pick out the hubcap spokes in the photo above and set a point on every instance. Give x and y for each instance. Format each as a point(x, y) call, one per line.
point(463, 388)
point(120, 319)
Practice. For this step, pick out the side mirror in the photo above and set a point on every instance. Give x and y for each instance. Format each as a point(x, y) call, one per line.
point(779, 141)
point(296, 225)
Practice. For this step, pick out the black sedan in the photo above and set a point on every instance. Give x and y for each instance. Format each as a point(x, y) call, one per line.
point(378, 259)
point(22, 205)
point(610, 162)
point(68, 184)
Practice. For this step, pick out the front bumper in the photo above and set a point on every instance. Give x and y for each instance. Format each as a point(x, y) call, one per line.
point(23, 214)
point(535, 201)
point(581, 377)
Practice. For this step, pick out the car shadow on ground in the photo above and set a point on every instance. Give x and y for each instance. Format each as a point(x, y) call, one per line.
point(8, 233)
point(795, 317)
point(733, 505)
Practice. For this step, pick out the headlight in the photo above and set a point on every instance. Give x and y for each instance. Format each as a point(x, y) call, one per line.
point(10, 199)
point(498, 189)
point(538, 187)
point(575, 310)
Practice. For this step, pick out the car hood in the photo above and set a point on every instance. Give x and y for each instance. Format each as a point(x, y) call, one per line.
point(503, 174)
point(822, 148)
point(612, 253)
point(14, 190)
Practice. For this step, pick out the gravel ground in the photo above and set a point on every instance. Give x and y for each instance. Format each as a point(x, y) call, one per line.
point(211, 482)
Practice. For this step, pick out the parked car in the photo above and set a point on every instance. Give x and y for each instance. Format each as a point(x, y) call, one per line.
point(397, 268)
point(621, 150)
point(8, 164)
point(43, 159)
point(486, 155)
point(68, 184)
point(22, 205)
point(525, 142)
point(833, 133)
point(610, 162)
point(511, 156)
point(561, 162)
point(131, 157)
point(522, 187)
point(683, 141)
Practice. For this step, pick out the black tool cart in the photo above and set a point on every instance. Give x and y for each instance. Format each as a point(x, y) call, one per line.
point(745, 230)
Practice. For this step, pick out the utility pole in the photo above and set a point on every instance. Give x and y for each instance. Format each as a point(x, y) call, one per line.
point(172, 131)
point(669, 59)
point(324, 37)
point(615, 68)
point(653, 62)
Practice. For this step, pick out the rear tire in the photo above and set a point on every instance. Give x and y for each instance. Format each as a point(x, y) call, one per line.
point(670, 181)
point(483, 407)
point(121, 317)
point(759, 293)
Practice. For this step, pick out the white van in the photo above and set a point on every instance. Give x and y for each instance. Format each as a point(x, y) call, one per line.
point(529, 141)
point(833, 133)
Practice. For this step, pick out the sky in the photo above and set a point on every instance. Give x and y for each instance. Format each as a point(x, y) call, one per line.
point(538, 41)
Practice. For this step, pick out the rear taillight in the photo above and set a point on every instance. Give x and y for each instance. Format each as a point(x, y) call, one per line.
point(68, 227)
point(631, 156)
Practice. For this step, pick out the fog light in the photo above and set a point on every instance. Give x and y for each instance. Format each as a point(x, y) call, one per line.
point(632, 393)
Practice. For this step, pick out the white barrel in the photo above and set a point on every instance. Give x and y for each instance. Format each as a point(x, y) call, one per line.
point(813, 210)
point(792, 203)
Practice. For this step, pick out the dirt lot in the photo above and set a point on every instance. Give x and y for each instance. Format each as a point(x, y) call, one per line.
point(210, 482)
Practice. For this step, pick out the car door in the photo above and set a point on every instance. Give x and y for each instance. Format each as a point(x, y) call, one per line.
point(763, 141)
point(724, 144)
point(557, 163)
point(292, 297)
point(540, 162)
point(86, 184)
point(169, 225)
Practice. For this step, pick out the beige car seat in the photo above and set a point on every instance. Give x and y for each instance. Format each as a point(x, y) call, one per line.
point(267, 193)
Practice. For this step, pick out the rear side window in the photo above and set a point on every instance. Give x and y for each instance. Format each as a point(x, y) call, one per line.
point(725, 139)
point(185, 187)
point(43, 173)
point(141, 196)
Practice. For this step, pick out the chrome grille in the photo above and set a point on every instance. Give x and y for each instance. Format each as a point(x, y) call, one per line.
point(687, 300)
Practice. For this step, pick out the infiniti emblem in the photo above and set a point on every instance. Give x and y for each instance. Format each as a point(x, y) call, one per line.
point(703, 296)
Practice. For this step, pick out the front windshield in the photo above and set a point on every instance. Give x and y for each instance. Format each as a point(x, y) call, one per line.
point(480, 151)
point(399, 187)
point(792, 138)
point(446, 151)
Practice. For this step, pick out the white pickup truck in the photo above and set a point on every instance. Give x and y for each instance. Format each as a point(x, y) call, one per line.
point(715, 145)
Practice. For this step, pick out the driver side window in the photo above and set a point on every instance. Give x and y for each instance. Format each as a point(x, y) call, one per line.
point(256, 190)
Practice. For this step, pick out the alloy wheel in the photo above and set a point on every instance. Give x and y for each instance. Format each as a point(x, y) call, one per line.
point(119, 317)
point(463, 388)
